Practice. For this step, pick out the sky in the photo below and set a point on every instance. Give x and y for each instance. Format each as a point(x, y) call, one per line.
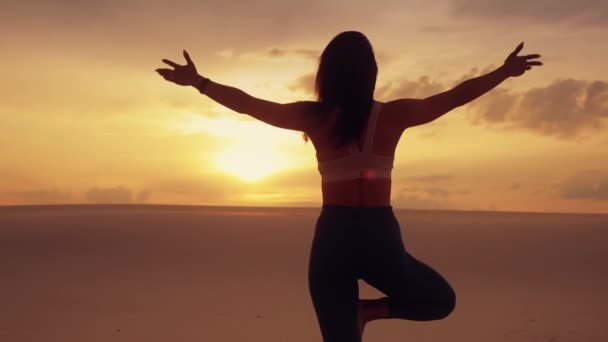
point(86, 119)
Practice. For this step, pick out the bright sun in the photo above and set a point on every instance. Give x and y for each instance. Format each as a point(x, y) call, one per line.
point(250, 162)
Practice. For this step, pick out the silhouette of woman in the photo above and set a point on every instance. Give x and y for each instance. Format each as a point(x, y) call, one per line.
point(356, 234)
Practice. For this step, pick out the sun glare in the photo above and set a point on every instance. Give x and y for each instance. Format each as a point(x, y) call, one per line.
point(250, 162)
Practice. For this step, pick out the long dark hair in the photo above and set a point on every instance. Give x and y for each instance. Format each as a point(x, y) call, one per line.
point(345, 81)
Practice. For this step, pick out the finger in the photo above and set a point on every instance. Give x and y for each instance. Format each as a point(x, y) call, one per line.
point(187, 56)
point(164, 72)
point(528, 67)
point(530, 56)
point(534, 63)
point(517, 49)
point(165, 75)
point(173, 64)
point(168, 77)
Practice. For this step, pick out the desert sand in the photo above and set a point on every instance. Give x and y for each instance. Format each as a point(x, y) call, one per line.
point(188, 273)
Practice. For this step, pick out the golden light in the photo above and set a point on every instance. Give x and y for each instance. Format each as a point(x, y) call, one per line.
point(250, 162)
point(251, 152)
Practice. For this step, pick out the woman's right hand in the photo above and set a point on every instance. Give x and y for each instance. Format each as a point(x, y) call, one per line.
point(517, 65)
point(185, 75)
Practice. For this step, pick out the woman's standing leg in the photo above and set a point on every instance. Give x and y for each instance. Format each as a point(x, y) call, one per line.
point(332, 282)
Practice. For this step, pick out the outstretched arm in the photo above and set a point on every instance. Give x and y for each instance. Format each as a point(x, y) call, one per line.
point(414, 112)
point(295, 116)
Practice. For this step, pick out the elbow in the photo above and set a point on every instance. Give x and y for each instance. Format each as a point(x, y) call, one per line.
point(460, 98)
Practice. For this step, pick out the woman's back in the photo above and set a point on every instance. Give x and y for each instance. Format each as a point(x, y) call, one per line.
point(357, 235)
point(363, 192)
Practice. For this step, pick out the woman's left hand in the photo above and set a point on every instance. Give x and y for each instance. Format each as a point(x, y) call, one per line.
point(517, 65)
point(185, 75)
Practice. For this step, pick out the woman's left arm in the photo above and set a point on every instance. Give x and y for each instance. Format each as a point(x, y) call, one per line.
point(295, 116)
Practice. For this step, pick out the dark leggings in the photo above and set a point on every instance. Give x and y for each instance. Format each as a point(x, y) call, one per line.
point(352, 243)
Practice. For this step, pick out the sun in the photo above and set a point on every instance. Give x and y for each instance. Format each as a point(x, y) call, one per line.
point(250, 162)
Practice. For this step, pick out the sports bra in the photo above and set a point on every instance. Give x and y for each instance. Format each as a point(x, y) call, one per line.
point(358, 164)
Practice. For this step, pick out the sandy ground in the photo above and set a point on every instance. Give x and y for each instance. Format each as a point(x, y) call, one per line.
point(172, 273)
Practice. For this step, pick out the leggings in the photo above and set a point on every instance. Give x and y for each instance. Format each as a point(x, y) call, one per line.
point(352, 243)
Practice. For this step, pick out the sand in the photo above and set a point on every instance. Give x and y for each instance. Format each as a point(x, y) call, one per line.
point(181, 273)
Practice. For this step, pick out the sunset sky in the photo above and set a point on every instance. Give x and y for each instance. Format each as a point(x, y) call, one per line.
point(86, 119)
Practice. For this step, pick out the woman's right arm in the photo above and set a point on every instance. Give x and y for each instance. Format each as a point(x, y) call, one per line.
point(414, 112)
point(295, 115)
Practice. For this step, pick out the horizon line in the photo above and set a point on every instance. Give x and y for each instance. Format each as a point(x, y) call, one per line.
point(319, 207)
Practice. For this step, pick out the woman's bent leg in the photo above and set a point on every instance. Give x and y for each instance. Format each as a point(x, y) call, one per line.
point(414, 290)
point(419, 293)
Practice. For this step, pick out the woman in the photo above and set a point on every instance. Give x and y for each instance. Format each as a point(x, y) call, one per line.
point(357, 235)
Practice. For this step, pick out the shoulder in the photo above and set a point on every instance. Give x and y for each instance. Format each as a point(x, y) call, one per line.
point(313, 113)
point(399, 106)
point(406, 112)
point(397, 111)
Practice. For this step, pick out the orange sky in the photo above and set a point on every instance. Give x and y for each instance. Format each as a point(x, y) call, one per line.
point(86, 119)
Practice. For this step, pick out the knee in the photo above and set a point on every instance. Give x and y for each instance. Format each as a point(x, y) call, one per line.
point(447, 304)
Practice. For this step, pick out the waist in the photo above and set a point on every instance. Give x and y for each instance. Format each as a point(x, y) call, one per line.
point(358, 192)
point(356, 215)
point(348, 174)
point(351, 208)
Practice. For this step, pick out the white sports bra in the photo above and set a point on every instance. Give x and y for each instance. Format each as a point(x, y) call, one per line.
point(358, 164)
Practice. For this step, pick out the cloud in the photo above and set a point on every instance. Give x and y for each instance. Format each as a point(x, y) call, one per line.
point(194, 189)
point(304, 83)
point(382, 91)
point(39, 196)
point(495, 106)
point(302, 185)
point(226, 53)
point(118, 194)
point(136, 22)
point(114, 92)
point(303, 53)
point(415, 202)
point(308, 53)
point(437, 192)
point(420, 88)
point(143, 196)
point(574, 12)
point(566, 108)
point(423, 87)
point(515, 186)
point(586, 184)
point(427, 178)
point(431, 191)
point(473, 72)
point(276, 52)
point(443, 29)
